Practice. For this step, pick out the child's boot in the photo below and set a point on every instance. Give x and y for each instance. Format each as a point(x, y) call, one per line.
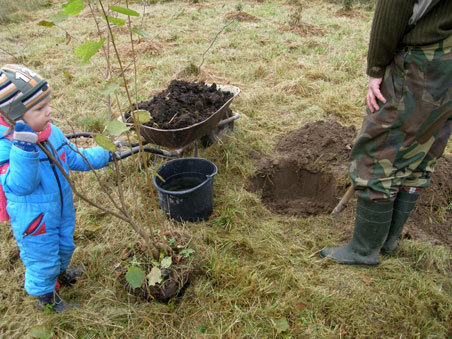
point(52, 302)
point(70, 276)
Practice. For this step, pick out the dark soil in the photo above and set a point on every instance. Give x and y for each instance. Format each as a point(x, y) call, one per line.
point(175, 282)
point(175, 278)
point(183, 104)
point(430, 220)
point(308, 175)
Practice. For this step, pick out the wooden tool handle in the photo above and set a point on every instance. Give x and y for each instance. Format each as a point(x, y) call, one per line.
point(348, 194)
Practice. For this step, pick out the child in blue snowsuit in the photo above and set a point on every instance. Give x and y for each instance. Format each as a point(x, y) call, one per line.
point(38, 197)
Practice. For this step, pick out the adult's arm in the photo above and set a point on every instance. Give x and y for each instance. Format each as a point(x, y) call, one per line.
point(389, 24)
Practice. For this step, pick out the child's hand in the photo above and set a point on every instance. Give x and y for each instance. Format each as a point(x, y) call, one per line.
point(24, 137)
point(116, 155)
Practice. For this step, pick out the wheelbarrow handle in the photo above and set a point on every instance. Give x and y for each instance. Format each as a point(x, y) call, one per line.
point(228, 120)
point(90, 135)
point(149, 149)
point(135, 147)
point(79, 135)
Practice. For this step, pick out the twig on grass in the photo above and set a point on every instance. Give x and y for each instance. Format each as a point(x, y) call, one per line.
point(314, 254)
point(214, 39)
point(10, 54)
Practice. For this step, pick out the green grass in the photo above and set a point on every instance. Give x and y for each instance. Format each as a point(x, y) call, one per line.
point(257, 269)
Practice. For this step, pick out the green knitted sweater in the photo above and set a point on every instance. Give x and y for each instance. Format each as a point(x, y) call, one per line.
point(392, 29)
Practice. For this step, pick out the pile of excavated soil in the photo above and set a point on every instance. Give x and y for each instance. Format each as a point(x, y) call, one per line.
point(431, 218)
point(308, 173)
point(242, 17)
point(307, 176)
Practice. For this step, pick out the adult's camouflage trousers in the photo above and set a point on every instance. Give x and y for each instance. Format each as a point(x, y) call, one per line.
point(400, 143)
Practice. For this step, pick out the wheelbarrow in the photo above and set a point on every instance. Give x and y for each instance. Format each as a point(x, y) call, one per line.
point(179, 139)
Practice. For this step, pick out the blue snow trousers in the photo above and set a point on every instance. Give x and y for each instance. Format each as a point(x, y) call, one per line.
point(40, 204)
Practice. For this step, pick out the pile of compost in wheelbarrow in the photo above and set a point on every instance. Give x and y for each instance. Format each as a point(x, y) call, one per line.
point(307, 176)
point(183, 104)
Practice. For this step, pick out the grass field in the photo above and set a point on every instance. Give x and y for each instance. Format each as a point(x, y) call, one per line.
point(259, 275)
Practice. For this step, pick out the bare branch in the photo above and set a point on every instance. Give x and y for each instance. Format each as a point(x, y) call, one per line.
point(52, 158)
point(10, 54)
point(214, 39)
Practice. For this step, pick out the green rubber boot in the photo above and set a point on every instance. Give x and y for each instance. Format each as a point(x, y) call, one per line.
point(403, 205)
point(372, 222)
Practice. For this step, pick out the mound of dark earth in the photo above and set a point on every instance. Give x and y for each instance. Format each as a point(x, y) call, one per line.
point(183, 104)
point(307, 176)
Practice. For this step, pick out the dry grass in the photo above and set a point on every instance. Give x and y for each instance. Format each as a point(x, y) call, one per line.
point(16, 12)
point(257, 268)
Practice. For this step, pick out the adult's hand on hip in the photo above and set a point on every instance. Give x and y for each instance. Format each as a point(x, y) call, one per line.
point(374, 93)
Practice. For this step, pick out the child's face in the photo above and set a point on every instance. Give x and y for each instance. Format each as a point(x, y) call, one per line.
point(38, 116)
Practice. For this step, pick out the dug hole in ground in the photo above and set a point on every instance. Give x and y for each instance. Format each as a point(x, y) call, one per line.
point(307, 176)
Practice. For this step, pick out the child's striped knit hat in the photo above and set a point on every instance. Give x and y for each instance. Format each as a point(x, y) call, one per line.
point(20, 89)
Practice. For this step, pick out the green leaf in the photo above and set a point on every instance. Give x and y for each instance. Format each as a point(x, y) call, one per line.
point(67, 75)
point(105, 142)
point(46, 23)
point(124, 10)
point(155, 276)
point(139, 32)
point(41, 332)
point(73, 7)
point(116, 21)
point(110, 88)
point(166, 262)
point(135, 277)
point(116, 128)
point(187, 252)
point(141, 116)
point(174, 17)
point(281, 325)
point(88, 49)
point(90, 229)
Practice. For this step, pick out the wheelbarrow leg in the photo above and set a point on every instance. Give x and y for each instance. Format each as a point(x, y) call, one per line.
point(195, 152)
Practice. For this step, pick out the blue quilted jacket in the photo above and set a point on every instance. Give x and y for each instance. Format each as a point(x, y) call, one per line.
point(40, 205)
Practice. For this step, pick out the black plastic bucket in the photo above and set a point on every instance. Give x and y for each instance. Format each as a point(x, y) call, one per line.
point(187, 192)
